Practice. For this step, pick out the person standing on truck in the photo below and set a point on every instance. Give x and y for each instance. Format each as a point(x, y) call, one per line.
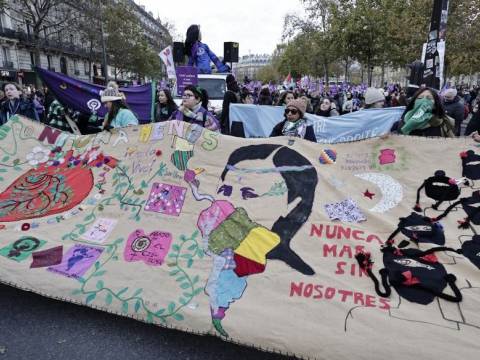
point(199, 54)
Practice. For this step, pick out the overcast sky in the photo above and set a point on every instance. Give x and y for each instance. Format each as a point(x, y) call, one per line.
point(255, 24)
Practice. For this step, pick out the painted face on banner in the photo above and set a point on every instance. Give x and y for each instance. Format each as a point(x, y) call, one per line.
point(256, 190)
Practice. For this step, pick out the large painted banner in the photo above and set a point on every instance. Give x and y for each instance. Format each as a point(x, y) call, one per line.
point(364, 250)
point(85, 97)
point(258, 121)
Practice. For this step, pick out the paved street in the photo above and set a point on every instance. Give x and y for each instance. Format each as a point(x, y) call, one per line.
point(34, 327)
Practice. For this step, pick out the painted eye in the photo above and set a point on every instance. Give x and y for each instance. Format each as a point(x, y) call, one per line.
point(248, 193)
point(226, 190)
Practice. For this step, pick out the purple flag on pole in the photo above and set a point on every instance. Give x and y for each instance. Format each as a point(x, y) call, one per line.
point(85, 97)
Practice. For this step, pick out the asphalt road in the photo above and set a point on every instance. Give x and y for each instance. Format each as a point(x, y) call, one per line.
point(36, 328)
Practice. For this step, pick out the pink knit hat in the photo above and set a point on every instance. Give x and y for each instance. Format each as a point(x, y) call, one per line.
point(298, 104)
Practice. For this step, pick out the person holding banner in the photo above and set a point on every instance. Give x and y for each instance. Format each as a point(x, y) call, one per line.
point(199, 54)
point(327, 108)
point(119, 115)
point(294, 123)
point(165, 106)
point(425, 116)
point(192, 110)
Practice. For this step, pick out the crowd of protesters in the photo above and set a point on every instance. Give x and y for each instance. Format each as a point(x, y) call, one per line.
point(443, 113)
point(427, 112)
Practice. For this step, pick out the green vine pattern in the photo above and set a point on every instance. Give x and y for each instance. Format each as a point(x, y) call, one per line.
point(5, 130)
point(123, 191)
point(182, 256)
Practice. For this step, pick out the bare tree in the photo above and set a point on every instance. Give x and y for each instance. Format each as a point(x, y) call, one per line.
point(49, 16)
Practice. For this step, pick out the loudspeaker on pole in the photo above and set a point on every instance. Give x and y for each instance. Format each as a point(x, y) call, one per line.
point(230, 52)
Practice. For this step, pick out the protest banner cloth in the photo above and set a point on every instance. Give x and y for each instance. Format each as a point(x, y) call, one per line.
point(270, 243)
point(85, 97)
point(258, 121)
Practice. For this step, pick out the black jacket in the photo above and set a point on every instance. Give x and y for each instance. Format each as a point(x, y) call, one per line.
point(456, 110)
point(474, 124)
point(20, 107)
point(309, 133)
point(230, 97)
point(163, 113)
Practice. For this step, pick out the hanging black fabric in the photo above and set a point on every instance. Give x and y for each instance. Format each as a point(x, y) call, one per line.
point(471, 165)
point(416, 275)
point(471, 250)
point(439, 188)
point(420, 229)
point(471, 206)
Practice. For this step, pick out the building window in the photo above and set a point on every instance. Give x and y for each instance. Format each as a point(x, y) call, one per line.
point(75, 67)
point(86, 68)
point(28, 28)
point(63, 65)
point(6, 53)
point(49, 61)
point(32, 59)
point(71, 38)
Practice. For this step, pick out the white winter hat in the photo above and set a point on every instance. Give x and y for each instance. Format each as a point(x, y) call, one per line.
point(450, 93)
point(111, 94)
point(373, 95)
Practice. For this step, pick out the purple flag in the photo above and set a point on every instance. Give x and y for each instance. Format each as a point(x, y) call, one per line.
point(85, 97)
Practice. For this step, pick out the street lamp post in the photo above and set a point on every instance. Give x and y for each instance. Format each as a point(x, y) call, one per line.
point(104, 48)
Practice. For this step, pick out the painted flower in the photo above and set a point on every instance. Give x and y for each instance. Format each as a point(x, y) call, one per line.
point(39, 155)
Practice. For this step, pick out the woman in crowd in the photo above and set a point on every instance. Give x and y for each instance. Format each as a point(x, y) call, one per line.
point(38, 103)
point(165, 106)
point(347, 106)
point(327, 108)
point(307, 102)
point(15, 104)
point(192, 110)
point(119, 115)
point(425, 116)
point(285, 98)
point(199, 54)
point(246, 96)
point(294, 123)
point(264, 97)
